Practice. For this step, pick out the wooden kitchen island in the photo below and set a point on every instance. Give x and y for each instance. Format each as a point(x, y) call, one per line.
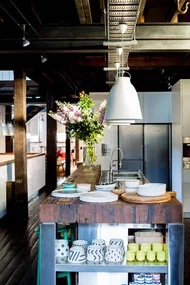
point(89, 217)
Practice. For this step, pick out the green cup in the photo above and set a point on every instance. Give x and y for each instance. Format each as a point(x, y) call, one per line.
point(145, 247)
point(140, 255)
point(133, 247)
point(150, 255)
point(161, 256)
point(165, 247)
point(157, 247)
point(130, 255)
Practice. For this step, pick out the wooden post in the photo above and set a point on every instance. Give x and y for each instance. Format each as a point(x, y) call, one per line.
point(51, 173)
point(68, 155)
point(21, 192)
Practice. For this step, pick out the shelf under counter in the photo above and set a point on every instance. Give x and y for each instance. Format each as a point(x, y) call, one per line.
point(86, 216)
point(125, 268)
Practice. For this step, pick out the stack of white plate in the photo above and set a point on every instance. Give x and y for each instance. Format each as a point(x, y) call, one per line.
point(151, 189)
point(131, 185)
point(105, 187)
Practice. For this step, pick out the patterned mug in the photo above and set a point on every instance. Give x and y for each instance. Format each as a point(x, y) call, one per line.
point(77, 254)
point(95, 253)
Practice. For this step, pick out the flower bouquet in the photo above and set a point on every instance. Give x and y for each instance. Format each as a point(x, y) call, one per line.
point(82, 123)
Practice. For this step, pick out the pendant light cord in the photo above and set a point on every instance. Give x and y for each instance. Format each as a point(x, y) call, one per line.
point(122, 56)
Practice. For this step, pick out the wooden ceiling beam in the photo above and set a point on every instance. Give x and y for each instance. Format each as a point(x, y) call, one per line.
point(102, 7)
point(84, 11)
point(141, 13)
point(157, 61)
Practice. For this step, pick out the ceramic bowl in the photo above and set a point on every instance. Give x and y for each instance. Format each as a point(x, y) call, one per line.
point(77, 255)
point(83, 187)
point(99, 242)
point(116, 241)
point(81, 243)
point(132, 183)
point(95, 253)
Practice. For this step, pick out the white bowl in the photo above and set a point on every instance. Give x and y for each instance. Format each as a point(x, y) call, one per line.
point(130, 190)
point(151, 189)
point(155, 185)
point(132, 183)
point(105, 187)
point(83, 187)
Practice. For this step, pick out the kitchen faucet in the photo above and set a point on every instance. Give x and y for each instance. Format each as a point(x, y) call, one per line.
point(119, 160)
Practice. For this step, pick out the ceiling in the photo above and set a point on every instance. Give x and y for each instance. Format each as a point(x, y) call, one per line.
point(71, 35)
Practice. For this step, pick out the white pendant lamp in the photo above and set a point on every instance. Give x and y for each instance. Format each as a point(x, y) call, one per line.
point(123, 104)
point(11, 129)
point(4, 129)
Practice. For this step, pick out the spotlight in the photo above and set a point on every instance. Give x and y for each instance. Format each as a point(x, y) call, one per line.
point(122, 27)
point(25, 42)
point(43, 59)
point(117, 65)
point(119, 50)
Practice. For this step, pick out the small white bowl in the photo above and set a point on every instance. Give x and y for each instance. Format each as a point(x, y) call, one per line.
point(83, 187)
point(132, 184)
point(130, 190)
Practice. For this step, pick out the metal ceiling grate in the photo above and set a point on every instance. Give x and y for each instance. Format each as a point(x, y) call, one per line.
point(121, 11)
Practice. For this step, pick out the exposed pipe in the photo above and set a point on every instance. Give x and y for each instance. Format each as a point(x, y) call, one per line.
point(114, 68)
point(125, 43)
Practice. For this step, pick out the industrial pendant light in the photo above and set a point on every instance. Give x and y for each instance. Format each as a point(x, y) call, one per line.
point(123, 104)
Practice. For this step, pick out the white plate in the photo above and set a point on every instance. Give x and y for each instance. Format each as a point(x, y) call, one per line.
point(104, 190)
point(61, 193)
point(98, 197)
point(106, 186)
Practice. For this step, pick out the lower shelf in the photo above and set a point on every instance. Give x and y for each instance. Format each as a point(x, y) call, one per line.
point(128, 268)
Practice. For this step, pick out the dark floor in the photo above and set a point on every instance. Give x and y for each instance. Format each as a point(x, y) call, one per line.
point(18, 249)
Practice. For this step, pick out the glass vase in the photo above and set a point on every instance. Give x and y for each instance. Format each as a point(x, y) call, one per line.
point(90, 155)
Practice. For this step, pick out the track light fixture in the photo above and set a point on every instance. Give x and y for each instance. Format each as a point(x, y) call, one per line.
point(25, 42)
point(43, 59)
point(119, 50)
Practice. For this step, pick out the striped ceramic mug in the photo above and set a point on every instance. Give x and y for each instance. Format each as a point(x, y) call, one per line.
point(116, 241)
point(77, 254)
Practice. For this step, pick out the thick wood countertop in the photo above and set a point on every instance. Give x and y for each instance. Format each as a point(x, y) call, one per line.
point(62, 210)
point(86, 174)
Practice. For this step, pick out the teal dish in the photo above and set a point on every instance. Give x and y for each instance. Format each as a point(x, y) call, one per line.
point(68, 186)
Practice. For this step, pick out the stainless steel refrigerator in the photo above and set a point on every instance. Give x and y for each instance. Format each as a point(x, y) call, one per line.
point(148, 148)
